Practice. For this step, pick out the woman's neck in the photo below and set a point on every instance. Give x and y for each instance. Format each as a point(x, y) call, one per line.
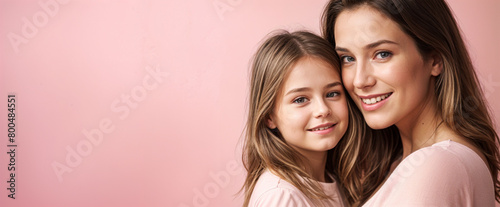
point(421, 128)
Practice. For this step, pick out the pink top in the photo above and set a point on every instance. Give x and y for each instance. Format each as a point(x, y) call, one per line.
point(272, 191)
point(444, 174)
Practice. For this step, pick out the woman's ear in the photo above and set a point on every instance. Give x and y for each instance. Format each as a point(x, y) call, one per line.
point(437, 64)
point(270, 123)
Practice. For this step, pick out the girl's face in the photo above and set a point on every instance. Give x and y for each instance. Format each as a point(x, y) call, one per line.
point(311, 109)
point(382, 68)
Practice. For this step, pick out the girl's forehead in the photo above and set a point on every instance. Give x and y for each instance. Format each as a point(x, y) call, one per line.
point(309, 72)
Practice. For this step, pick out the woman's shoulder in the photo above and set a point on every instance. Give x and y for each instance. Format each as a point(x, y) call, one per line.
point(446, 171)
point(444, 174)
point(445, 160)
point(451, 155)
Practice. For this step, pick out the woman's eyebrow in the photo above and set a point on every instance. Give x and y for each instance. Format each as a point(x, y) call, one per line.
point(341, 49)
point(377, 43)
point(368, 46)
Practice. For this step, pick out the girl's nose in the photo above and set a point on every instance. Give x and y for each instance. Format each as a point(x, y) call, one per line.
point(322, 109)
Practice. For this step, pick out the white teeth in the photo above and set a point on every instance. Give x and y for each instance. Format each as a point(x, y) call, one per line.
point(370, 101)
point(322, 128)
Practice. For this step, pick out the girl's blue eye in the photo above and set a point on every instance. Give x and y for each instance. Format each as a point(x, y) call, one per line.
point(383, 55)
point(300, 100)
point(332, 94)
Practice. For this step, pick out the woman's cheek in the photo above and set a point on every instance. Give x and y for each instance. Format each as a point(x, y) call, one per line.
point(347, 79)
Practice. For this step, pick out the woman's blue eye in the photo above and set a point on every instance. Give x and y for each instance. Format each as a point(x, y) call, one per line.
point(332, 94)
point(300, 100)
point(383, 55)
point(347, 59)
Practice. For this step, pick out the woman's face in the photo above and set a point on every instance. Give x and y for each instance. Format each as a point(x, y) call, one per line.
point(382, 68)
point(311, 109)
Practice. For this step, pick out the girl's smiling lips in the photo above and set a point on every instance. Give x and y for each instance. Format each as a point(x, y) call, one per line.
point(323, 128)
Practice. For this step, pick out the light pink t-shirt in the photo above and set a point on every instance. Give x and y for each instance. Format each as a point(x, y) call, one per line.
point(272, 191)
point(444, 174)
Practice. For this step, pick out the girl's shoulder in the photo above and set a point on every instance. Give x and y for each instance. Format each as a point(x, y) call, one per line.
point(269, 180)
point(271, 190)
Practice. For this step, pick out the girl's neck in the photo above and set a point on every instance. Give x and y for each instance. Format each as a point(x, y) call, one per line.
point(315, 165)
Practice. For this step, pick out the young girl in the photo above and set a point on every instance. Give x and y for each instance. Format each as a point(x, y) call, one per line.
point(297, 115)
point(404, 64)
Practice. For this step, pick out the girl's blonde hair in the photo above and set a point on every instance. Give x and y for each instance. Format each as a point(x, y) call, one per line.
point(265, 148)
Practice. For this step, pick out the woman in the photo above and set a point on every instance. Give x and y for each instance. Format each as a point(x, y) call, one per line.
point(405, 65)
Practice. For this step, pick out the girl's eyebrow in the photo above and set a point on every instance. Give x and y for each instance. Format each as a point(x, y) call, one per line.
point(296, 90)
point(333, 84)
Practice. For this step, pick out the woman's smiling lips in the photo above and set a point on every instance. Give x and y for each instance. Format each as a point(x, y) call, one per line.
point(323, 128)
point(374, 102)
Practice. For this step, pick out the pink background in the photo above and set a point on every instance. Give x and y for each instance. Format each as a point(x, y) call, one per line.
point(170, 139)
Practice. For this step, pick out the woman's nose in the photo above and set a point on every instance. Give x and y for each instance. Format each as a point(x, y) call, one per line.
point(363, 76)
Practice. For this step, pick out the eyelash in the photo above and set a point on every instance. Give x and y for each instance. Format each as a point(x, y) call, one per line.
point(301, 100)
point(336, 93)
point(344, 60)
point(389, 54)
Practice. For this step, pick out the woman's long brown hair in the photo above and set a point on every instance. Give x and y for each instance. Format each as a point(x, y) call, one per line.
point(460, 99)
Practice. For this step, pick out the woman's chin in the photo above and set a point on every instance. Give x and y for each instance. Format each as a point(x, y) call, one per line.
point(376, 124)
